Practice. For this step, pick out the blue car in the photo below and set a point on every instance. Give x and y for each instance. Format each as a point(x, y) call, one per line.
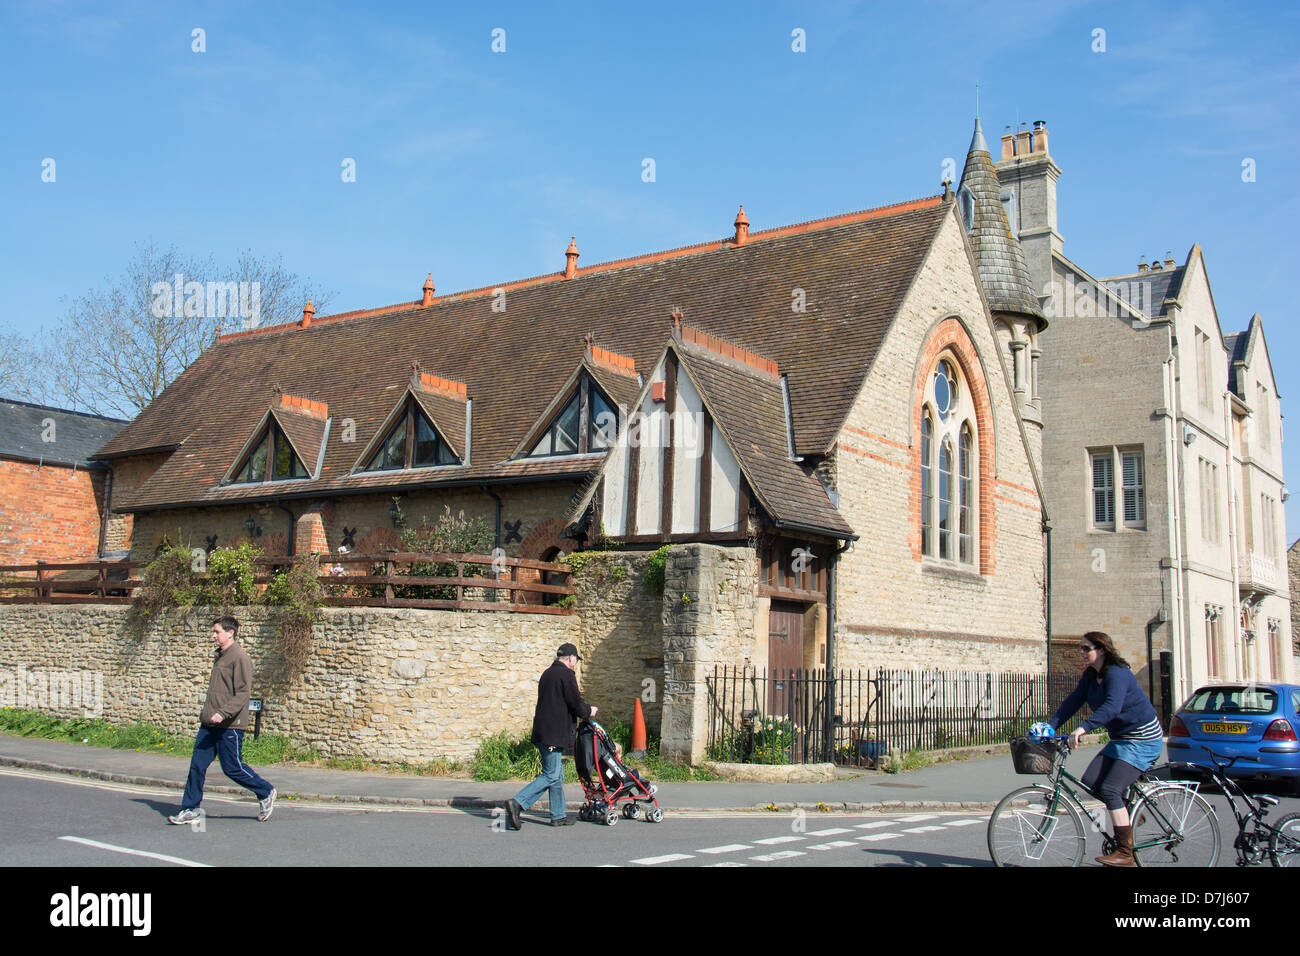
point(1256, 723)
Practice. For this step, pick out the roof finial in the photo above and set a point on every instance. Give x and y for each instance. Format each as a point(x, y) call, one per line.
point(589, 340)
point(742, 226)
point(677, 323)
point(428, 291)
point(571, 258)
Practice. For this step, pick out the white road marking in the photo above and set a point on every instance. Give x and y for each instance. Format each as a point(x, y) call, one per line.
point(668, 858)
point(880, 836)
point(729, 848)
point(833, 831)
point(833, 845)
point(770, 841)
point(727, 863)
point(922, 829)
point(874, 826)
point(962, 823)
point(917, 818)
point(782, 855)
point(127, 850)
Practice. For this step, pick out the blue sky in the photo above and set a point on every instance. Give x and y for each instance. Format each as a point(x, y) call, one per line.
point(478, 166)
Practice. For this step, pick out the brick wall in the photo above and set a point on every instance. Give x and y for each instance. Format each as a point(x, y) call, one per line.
point(896, 607)
point(49, 512)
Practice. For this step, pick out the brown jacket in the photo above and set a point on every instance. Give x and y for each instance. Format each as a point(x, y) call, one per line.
point(232, 678)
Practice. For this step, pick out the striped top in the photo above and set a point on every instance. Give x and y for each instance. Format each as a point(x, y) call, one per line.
point(1117, 703)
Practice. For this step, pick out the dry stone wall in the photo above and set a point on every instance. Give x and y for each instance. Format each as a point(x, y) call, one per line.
point(386, 684)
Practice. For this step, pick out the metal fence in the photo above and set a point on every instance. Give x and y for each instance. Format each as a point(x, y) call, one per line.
point(857, 716)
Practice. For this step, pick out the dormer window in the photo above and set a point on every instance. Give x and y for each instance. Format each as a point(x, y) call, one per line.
point(966, 203)
point(566, 436)
point(412, 442)
point(272, 459)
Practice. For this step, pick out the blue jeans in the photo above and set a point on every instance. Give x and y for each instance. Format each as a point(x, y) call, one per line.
point(227, 745)
point(551, 779)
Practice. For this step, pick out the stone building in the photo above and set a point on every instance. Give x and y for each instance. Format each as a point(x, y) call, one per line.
point(1161, 455)
point(52, 497)
point(825, 401)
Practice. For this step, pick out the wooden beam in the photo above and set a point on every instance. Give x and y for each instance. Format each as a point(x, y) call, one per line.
point(706, 475)
point(633, 474)
point(666, 480)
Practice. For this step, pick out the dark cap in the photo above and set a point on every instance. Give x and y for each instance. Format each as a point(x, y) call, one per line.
point(568, 650)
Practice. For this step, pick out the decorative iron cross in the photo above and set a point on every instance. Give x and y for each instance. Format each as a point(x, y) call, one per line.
point(512, 531)
point(211, 542)
point(348, 533)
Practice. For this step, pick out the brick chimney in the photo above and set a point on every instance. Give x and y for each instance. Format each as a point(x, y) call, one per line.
point(571, 258)
point(1008, 146)
point(1142, 266)
point(742, 227)
point(1040, 136)
point(1169, 261)
point(308, 311)
point(428, 291)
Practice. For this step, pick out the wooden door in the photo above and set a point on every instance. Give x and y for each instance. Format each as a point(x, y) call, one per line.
point(784, 654)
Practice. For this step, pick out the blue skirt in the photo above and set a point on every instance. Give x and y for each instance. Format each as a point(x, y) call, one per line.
point(1138, 753)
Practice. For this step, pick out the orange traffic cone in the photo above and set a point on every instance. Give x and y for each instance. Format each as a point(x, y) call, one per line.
point(638, 729)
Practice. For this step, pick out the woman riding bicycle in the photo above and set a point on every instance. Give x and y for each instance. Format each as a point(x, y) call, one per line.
point(1136, 738)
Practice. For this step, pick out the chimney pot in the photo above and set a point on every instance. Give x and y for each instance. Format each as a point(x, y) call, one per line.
point(1169, 260)
point(428, 291)
point(742, 227)
point(1142, 266)
point(1008, 146)
point(571, 258)
point(1040, 136)
point(308, 311)
point(1023, 145)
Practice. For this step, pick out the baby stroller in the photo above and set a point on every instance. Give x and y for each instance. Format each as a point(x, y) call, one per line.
point(606, 782)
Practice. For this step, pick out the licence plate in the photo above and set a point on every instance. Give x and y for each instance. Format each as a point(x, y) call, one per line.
point(1224, 728)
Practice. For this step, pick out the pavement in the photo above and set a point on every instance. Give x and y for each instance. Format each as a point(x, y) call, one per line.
point(971, 784)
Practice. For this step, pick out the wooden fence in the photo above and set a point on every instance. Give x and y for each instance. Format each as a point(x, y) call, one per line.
point(476, 582)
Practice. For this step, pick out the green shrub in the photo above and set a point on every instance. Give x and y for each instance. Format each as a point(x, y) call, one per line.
point(654, 572)
point(230, 578)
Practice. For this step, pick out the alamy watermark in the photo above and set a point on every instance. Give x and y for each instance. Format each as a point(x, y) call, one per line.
point(1122, 298)
point(207, 300)
point(41, 689)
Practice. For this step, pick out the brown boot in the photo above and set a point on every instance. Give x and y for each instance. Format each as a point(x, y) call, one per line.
point(1123, 853)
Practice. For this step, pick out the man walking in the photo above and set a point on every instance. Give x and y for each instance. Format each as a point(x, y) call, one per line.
point(558, 705)
point(221, 727)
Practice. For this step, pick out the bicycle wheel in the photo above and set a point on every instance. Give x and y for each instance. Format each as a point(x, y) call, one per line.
point(1034, 826)
point(1284, 844)
point(1174, 826)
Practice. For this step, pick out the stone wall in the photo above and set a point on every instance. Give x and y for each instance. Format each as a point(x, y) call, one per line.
point(620, 619)
point(709, 618)
point(387, 684)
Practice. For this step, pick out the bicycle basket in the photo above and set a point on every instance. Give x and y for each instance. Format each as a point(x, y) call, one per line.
point(1029, 757)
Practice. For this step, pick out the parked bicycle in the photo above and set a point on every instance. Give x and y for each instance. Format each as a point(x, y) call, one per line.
point(1042, 825)
point(1256, 840)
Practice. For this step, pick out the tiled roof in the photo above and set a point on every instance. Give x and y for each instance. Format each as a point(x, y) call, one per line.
point(749, 410)
point(853, 270)
point(74, 436)
point(1147, 291)
point(1003, 271)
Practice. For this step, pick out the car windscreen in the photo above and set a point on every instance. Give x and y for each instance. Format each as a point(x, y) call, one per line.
point(1232, 700)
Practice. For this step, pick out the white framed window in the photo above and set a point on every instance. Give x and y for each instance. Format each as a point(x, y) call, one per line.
point(1103, 489)
point(1204, 371)
point(1214, 640)
point(1134, 490)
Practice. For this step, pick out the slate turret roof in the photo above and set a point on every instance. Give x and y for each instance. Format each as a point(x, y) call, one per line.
point(1002, 268)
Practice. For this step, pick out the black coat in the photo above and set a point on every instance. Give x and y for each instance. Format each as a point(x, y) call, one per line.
point(558, 705)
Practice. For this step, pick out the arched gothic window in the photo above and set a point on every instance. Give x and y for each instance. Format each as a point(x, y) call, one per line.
point(949, 469)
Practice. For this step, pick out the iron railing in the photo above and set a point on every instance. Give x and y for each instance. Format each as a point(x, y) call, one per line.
point(858, 716)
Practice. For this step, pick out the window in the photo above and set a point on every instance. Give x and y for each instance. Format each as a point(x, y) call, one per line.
point(1209, 502)
point(1262, 414)
point(1103, 490)
point(412, 442)
point(565, 435)
point(927, 490)
point(966, 200)
point(272, 459)
point(1275, 648)
point(1268, 526)
point(1213, 635)
point(1204, 371)
point(949, 468)
point(1134, 491)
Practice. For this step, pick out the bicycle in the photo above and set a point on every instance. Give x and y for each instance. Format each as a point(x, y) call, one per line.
point(1279, 841)
point(1040, 825)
